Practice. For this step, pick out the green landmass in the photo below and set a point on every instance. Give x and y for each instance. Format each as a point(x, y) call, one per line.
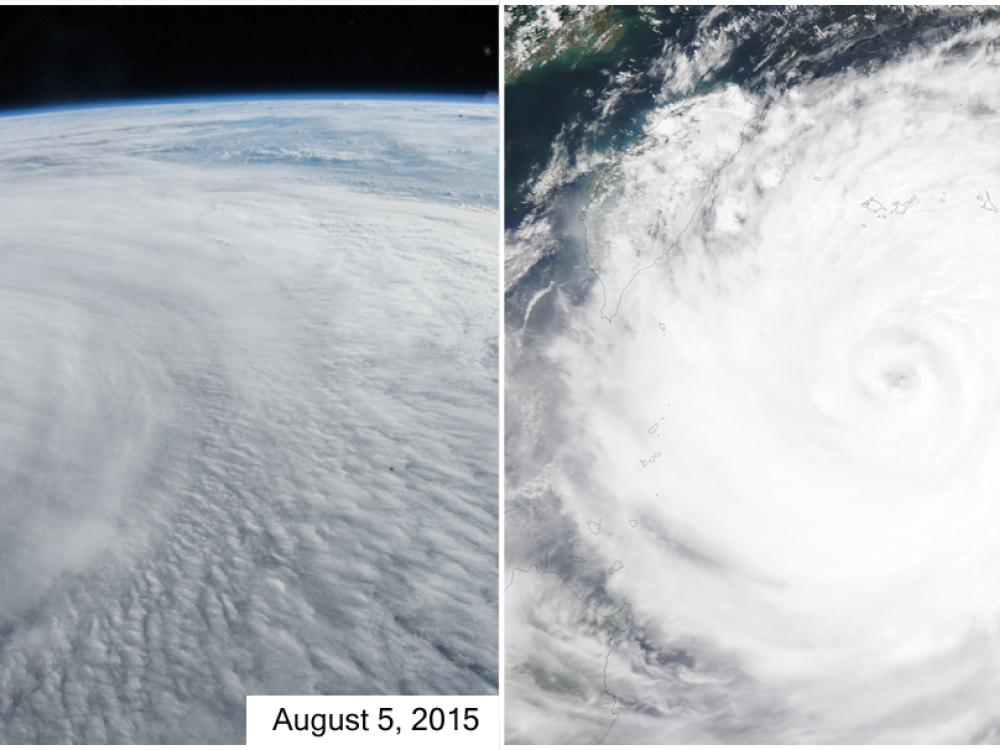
point(538, 34)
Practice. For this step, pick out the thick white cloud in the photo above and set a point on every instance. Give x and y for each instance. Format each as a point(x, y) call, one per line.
point(757, 501)
point(248, 383)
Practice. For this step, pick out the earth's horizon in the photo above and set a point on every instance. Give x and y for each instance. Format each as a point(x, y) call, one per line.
point(248, 363)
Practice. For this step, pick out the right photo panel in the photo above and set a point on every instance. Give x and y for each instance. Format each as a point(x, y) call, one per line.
point(752, 374)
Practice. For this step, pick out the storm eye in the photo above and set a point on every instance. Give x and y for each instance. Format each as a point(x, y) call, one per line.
point(899, 380)
point(786, 357)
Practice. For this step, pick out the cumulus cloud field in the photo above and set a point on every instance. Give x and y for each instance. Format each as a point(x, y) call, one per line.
point(248, 375)
point(753, 463)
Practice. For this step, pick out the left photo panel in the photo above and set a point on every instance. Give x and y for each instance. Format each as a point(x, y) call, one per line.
point(248, 363)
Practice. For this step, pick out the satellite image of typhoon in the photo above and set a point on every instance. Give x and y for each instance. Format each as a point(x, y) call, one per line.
point(248, 379)
point(753, 375)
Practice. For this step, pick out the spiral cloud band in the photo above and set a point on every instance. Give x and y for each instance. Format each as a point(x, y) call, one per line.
point(758, 499)
point(248, 378)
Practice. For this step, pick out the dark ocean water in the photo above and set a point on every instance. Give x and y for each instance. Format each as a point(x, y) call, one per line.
point(541, 101)
point(774, 46)
point(876, 112)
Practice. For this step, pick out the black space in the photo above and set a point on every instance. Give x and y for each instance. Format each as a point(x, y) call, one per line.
point(70, 55)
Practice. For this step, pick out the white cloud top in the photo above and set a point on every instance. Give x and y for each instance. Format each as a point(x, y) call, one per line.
point(753, 473)
point(248, 379)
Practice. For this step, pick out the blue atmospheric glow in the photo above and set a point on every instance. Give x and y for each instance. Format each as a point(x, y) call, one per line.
point(487, 99)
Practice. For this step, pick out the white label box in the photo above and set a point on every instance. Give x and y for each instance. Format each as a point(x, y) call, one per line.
point(413, 722)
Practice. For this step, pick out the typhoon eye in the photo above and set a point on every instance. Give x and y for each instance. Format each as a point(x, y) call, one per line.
point(812, 329)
